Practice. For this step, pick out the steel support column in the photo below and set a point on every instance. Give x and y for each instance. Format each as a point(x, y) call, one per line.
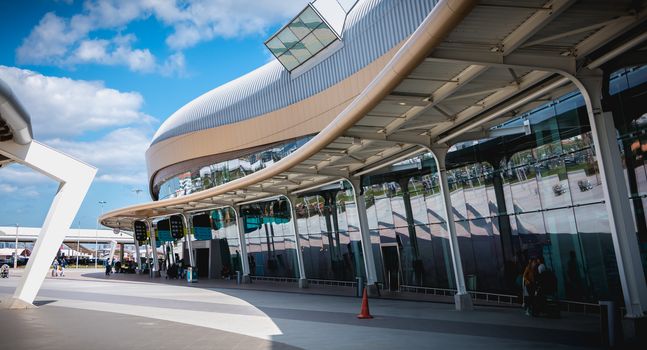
point(113, 247)
point(147, 257)
point(621, 222)
point(244, 259)
point(74, 178)
point(462, 299)
point(154, 266)
point(137, 257)
point(365, 234)
point(121, 253)
point(188, 223)
point(303, 282)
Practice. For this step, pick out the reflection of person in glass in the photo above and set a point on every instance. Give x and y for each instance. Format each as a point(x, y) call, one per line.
point(529, 275)
point(252, 264)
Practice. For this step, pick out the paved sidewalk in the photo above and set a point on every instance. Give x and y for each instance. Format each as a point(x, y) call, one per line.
point(287, 287)
point(87, 308)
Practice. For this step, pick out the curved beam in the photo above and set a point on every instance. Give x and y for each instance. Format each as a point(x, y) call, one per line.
point(445, 16)
point(12, 112)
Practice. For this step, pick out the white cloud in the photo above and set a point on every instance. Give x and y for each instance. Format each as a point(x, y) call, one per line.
point(119, 155)
point(64, 41)
point(117, 51)
point(174, 65)
point(7, 188)
point(67, 107)
point(63, 108)
point(17, 174)
point(19, 180)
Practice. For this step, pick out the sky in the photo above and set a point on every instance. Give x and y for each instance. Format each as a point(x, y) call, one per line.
point(99, 77)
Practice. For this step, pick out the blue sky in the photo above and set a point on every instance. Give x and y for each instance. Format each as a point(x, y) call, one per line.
point(99, 77)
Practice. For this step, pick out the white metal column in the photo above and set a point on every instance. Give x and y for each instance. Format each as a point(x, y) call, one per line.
point(137, 257)
point(244, 260)
point(188, 222)
point(74, 179)
point(113, 247)
point(462, 299)
point(147, 258)
point(121, 253)
point(621, 222)
point(303, 282)
point(365, 234)
point(155, 267)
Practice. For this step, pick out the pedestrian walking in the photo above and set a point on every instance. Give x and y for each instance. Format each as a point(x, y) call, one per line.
point(108, 267)
point(63, 265)
point(55, 268)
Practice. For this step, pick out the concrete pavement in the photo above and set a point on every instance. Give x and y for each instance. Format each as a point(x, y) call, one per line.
point(88, 310)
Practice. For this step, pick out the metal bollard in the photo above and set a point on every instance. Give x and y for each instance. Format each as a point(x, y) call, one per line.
point(360, 286)
point(239, 277)
point(608, 323)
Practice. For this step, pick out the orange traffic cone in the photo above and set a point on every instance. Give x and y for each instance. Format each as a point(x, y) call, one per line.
point(364, 313)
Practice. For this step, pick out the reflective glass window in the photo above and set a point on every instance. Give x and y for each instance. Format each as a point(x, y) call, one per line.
point(288, 38)
point(309, 18)
point(553, 184)
point(324, 34)
point(524, 189)
point(530, 223)
point(299, 28)
point(384, 213)
point(560, 221)
point(276, 46)
point(300, 52)
point(288, 60)
point(312, 44)
point(434, 201)
point(584, 177)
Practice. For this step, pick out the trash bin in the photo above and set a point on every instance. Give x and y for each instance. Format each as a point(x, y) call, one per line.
point(239, 277)
point(470, 282)
point(191, 274)
point(609, 323)
point(360, 286)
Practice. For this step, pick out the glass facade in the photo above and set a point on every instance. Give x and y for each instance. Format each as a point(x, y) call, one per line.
point(225, 229)
point(219, 225)
point(204, 177)
point(514, 198)
point(271, 248)
point(329, 235)
point(406, 219)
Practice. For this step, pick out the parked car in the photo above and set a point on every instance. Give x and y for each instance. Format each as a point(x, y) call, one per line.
point(559, 189)
point(584, 185)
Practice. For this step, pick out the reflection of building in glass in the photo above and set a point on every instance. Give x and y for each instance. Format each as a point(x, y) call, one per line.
point(207, 176)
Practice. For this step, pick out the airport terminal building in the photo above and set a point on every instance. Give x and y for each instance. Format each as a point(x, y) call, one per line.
point(423, 147)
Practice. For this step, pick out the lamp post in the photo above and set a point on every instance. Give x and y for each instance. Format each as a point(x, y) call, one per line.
point(78, 243)
point(15, 258)
point(137, 192)
point(96, 236)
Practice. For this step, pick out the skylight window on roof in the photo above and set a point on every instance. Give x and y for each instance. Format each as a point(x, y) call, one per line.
point(306, 35)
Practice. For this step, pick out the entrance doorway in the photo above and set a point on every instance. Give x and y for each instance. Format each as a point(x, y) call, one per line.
point(391, 258)
point(202, 262)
